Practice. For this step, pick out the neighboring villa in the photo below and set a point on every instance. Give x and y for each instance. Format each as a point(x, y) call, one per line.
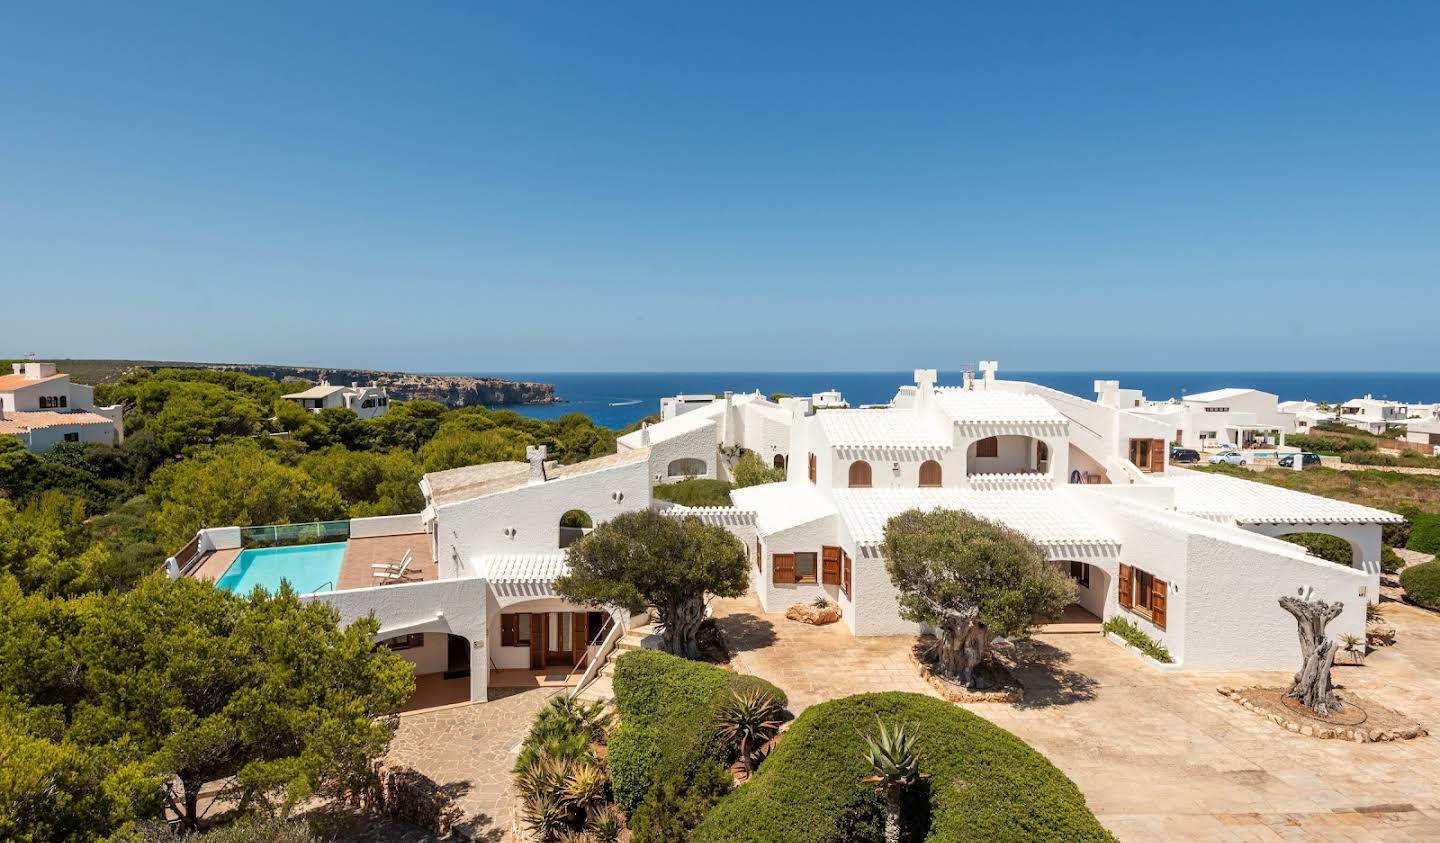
point(1189, 557)
point(42, 408)
point(1207, 420)
point(367, 402)
point(1377, 415)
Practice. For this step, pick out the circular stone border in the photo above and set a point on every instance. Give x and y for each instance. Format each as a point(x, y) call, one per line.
point(1252, 699)
point(952, 691)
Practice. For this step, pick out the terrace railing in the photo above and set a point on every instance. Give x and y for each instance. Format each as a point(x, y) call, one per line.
point(285, 535)
point(186, 557)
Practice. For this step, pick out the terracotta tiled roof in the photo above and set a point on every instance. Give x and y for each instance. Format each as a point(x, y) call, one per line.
point(15, 423)
point(9, 383)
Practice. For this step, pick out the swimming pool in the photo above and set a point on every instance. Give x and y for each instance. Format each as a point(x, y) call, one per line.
point(309, 568)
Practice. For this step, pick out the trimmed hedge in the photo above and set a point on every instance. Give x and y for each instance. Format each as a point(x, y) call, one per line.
point(1323, 545)
point(1424, 533)
point(1422, 584)
point(985, 785)
point(667, 711)
point(1390, 561)
point(695, 491)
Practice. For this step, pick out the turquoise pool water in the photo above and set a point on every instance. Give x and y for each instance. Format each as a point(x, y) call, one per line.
point(309, 568)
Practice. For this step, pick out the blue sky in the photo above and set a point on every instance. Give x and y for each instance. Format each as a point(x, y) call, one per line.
point(675, 186)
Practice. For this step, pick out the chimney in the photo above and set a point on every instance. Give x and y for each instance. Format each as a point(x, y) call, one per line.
point(924, 386)
point(989, 367)
point(645, 434)
point(535, 454)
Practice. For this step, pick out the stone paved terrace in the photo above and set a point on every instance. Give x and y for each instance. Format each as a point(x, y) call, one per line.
point(360, 554)
point(1162, 756)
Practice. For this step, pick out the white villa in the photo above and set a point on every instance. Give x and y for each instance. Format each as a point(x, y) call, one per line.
point(367, 402)
point(1190, 557)
point(1206, 420)
point(42, 408)
point(1376, 415)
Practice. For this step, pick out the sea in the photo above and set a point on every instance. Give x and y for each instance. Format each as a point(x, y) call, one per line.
point(619, 399)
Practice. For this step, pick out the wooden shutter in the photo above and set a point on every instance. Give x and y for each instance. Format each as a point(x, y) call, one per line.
point(845, 572)
point(812, 468)
point(783, 568)
point(538, 628)
point(988, 447)
point(829, 565)
point(1157, 455)
point(507, 630)
point(759, 557)
point(1126, 574)
point(579, 636)
point(1158, 590)
point(929, 473)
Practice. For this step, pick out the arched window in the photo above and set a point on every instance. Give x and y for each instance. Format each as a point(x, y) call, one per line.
point(574, 525)
point(988, 447)
point(686, 467)
point(929, 473)
point(859, 475)
point(780, 461)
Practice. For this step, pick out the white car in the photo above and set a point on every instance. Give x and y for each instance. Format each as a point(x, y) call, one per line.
point(1230, 457)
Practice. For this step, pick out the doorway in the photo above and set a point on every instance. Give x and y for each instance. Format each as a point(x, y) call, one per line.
point(457, 658)
point(558, 638)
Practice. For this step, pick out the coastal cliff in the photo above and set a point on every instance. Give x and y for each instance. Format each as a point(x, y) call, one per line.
point(450, 390)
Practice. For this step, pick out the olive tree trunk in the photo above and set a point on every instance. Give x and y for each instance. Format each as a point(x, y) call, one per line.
point(892, 816)
point(680, 626)
point(960, 647)
point(1312, 686)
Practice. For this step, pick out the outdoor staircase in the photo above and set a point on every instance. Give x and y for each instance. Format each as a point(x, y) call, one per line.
point(602, 687)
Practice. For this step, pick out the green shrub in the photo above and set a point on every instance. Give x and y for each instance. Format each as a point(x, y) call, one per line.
point(1136, 637)
point(1325, 546)
point(1330, 442)
point(1390, 561)
point(1425, 533)
point(667, 729)
point(1422, 584)
point(985, 784)
point(751, 471)
point(695, 491)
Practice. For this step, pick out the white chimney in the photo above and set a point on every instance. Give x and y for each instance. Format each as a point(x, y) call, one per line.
point(645, 434)
point(535, 454)
point(989, 367)
point(925, 386)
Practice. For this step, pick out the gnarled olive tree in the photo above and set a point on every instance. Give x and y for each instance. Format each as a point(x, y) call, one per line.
point(971, 579)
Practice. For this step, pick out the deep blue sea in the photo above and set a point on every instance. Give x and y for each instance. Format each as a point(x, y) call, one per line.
point(618, 399)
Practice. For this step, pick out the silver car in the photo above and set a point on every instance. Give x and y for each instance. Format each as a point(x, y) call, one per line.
point(1230, 457)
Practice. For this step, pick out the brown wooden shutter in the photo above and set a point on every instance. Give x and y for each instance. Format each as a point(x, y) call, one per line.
point(829, 565)
point(783, 568)
point(759, 557)
point(538, 628)
point(988, 447)
point(1126, 574)
point(579, 636)
point(812, 468)
point(1157, 455)
point(507, 630)
point(1158, 590)
point(929, 473)
point(845, 573)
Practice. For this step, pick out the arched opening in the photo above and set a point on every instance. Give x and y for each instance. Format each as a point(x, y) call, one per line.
point(780, 461)
point(929, 474)
point(859, 475)
point(686, 467)
point(1007, 454)
point(574, 525)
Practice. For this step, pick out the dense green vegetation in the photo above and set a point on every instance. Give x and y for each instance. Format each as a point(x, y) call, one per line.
point(695, 491)
point(666, 757)
point(1136, 637)
point(750, 470)
point(1325, 546)
point(1358, 447)
point(1422, 583)
point(985, 784)
point(106, 698)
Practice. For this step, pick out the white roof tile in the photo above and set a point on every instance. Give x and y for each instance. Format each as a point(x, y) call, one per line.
point(987, 406)
point(1220, 394)
point(677, 426)
point(1050, 518)
point(884, 428)
point(521, 567)
point(780, 506)
point(1252, 502)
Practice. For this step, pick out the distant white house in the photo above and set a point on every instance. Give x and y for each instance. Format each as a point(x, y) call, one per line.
point(367, 402)
point(1376, 415)
point(704, 439)
point(1424, 433)
point(1233, 416)
point(42, 408)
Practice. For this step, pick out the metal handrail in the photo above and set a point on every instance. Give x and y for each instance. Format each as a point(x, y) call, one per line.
point(591, 661)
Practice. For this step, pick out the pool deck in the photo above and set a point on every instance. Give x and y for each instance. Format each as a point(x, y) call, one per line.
point(355, 568)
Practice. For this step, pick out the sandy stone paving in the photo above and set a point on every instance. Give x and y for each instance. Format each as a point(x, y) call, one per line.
point(1163, 756)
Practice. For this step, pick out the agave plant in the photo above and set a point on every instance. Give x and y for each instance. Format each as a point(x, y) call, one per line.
point(545, 777)
point(605, 825)
point(572, 836)
point(1355, 646)
point(895, 759)
point(749, 720)
point(545, 816)
point(585, 788)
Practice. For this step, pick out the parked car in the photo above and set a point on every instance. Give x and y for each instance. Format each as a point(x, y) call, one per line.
point(1227, 446)
point(1184, 455)
point(1230, 457)
point(1307, 459)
